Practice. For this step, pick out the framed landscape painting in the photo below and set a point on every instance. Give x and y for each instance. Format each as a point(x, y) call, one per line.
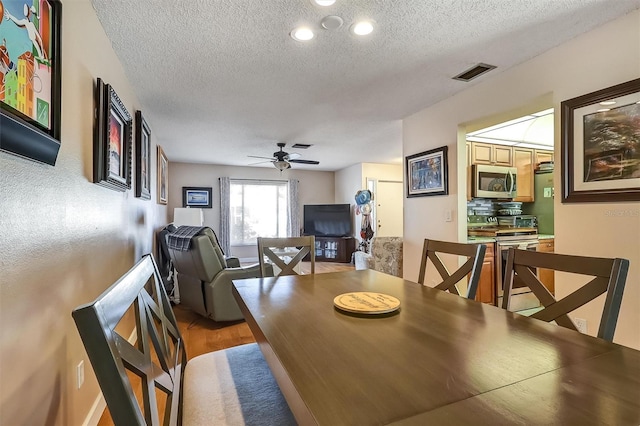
point(601, 145)
point(196, 197)
point(30, 78)
point(427, 173)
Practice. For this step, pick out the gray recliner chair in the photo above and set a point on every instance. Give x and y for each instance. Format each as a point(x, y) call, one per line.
point(204, 277)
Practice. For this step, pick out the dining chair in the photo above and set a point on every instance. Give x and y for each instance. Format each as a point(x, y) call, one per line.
point(286, 253)
point(609, 276)
point(474, 253)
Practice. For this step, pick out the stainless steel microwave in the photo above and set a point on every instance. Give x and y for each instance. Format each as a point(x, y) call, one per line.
point(494, 181)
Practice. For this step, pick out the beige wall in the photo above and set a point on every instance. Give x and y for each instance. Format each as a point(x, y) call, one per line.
point(567, 71)
point(315, 188)
point(64, 240)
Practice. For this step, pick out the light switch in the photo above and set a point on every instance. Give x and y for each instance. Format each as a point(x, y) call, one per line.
point(447, 215)
point(547, 192)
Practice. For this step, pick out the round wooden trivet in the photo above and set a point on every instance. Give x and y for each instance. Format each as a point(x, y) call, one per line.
point(365, 302)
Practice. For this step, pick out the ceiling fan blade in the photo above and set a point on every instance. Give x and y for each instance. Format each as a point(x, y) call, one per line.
point(260, 162)
point(304, 161)
point(293, 156)
point(266, 158)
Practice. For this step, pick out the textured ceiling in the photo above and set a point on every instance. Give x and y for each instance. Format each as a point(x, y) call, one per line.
point(219, 80)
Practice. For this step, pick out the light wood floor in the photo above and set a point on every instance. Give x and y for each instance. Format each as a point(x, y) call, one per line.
point(202, 335)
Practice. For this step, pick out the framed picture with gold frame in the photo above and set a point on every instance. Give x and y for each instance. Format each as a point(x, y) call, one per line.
point(163, 177)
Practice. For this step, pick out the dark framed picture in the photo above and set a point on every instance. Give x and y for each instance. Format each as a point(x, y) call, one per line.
point(143, 158)
point(163, 177)
point(600, 144)
point(427, 173)
point(196, 197)
point(30, 78)
point(112, 140)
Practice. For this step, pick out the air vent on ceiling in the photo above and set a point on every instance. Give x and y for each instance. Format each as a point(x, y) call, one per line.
point(300, 146)
point(474, 72)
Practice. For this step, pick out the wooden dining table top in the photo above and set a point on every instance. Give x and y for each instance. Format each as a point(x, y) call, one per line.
point(438, 359)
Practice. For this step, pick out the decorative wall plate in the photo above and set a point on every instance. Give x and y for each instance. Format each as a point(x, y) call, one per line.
point(365, 302)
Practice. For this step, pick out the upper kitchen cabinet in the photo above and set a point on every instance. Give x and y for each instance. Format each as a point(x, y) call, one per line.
point(523, 161)
point(542, 156)
point(486, 153)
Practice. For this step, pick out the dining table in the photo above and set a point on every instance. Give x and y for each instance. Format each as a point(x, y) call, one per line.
point(432, 357)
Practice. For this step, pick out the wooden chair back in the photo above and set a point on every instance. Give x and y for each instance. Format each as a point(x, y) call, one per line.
point(275, 249)
point(609, 276)
point(158, 357)
point(472, 267)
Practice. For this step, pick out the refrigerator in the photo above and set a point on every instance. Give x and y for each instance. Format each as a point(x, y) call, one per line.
point(542, 207)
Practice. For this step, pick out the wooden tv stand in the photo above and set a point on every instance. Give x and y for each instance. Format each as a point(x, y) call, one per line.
point(334, 249)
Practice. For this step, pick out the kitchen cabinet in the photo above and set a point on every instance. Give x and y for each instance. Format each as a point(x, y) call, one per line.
point(468, 152)
point(487, 153)
point(486, 286)
point(523, 161)
point(541, 155)
point(546, 275)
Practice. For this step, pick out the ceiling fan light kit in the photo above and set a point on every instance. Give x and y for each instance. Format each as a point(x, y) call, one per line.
point(282, 160)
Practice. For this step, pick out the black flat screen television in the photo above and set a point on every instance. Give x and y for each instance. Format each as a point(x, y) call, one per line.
point(327, 220)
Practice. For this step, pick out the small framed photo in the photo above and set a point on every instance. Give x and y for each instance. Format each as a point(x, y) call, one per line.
point(163, 177)
point(600, 144)
point(112, 140)
point(196, 197)
point(427, 173)
point(143, 158)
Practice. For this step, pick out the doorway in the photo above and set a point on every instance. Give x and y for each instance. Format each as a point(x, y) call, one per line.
point(388, 213)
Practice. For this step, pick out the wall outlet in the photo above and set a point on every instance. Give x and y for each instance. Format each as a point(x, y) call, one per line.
point(581, 325)
point(547, 192)
point(80, 374)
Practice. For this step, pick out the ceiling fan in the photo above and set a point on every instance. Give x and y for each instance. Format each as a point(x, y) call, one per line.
point(281, 159)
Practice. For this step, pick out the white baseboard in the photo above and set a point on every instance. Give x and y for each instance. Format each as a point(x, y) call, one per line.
point(99, 405)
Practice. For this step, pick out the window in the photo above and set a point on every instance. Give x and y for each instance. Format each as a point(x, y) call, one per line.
point(257, 208)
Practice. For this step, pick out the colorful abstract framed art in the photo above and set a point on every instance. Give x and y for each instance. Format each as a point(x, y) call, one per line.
point(30, 75)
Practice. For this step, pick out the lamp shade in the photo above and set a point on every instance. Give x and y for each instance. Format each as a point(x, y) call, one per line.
point(188, 216)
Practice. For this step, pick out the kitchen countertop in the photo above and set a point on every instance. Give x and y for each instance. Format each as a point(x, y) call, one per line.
point(476, 240)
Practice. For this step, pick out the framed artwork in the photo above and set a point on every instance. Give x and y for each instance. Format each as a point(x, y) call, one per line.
point(30, 78)
point(196, 197)
point(163, 177)
point(427, 173)
point(600, 145)
point(143, 158)
point(112, 140)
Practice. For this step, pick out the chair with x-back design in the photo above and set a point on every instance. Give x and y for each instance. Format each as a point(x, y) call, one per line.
point(232, 386)
point(609, 276)
point(472, 266)
point(286, 253)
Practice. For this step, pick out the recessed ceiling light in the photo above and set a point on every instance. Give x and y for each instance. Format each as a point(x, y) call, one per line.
point(324, 2)
point(362, 27)
point(302, 34)
point(605, 103)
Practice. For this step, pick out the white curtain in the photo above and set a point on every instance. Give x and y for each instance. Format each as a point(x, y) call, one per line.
point(293, 214)
point(225, 221)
